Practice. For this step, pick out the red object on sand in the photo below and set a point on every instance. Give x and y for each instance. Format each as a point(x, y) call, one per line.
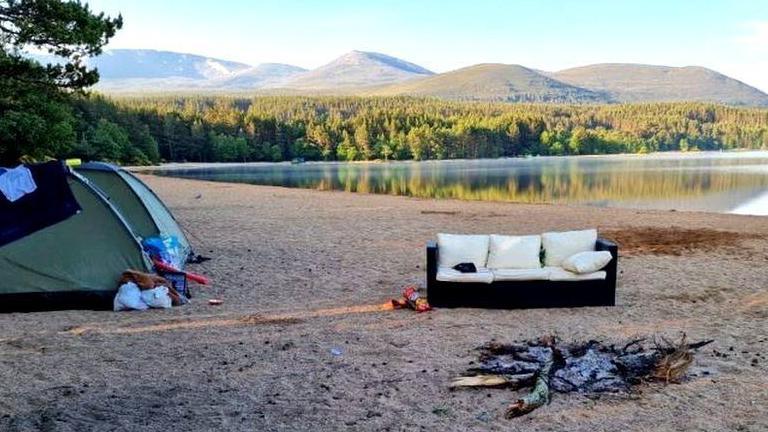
point(400, 303)
point(159, 265)
point(415, 301)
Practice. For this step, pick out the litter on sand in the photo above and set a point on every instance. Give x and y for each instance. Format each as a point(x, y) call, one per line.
point(411, 299)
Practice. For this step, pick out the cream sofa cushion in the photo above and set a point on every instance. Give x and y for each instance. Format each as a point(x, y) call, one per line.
point(520, 274)
point(447, 274)
point(587, 262)
point(560, 245)
point(561, 274)
point(455, 249)
point(514, 252)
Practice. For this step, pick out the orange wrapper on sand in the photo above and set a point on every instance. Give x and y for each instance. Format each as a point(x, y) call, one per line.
point(415, 301)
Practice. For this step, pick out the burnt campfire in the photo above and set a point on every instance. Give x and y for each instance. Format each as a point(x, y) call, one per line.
point(548, 366)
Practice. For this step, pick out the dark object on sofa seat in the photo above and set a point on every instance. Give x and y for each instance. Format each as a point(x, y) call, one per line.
point(523, 294)
point(466, 267)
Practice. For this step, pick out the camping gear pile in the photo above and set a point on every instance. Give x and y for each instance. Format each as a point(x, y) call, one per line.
point(68, 234)
point(141, 291)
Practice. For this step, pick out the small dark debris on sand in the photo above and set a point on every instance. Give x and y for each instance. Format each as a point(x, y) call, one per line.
point(441, 212)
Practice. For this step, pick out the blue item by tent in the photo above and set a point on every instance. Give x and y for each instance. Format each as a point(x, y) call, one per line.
point(166, 249)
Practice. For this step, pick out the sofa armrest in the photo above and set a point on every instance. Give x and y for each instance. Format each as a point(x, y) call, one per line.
point(607, 245)
point(431, 260)
point(611, 269)
point(433, 292)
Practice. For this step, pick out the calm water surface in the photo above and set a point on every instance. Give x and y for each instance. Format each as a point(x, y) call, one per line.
point(716, 182)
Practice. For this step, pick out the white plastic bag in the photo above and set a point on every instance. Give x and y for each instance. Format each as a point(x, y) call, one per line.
point(129, 298)
point(157, 297)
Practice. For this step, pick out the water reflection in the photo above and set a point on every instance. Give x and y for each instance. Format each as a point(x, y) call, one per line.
point(720, 182)
point(756, 206)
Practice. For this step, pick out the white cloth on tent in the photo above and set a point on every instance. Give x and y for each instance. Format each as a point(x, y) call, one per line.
point(16, 182)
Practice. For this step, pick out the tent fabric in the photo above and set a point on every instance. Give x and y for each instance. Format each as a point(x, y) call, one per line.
point(75, 263)
point(124, 199)
point(146, 214)
point(50, 203)
point(163, 218)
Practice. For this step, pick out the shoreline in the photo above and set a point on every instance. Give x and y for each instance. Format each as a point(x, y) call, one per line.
point(203, 165)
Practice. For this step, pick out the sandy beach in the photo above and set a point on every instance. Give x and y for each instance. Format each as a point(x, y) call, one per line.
point(302, 342)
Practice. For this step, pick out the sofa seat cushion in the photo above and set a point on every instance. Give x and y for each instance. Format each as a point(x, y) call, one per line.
point(447, 274)
point(514, 252)
point(587, 262)
point(560, 245)
point(520, 274)
point(455, 249)
point(561, 274)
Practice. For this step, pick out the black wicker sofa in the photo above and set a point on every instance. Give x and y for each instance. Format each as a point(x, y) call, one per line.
point(518, 294)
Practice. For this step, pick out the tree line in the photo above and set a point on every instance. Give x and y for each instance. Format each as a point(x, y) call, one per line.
point(141, 130)
point(37, 116)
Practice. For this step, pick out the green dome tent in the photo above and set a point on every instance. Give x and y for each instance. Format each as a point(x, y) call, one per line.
point(145, 212)
point(64, 245)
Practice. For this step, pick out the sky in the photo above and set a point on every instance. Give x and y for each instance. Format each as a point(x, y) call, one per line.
point(728, 36)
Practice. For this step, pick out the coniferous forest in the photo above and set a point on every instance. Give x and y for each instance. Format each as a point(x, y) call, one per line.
point(143, 130)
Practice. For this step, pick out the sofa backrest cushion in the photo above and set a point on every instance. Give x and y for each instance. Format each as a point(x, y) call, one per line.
point(560, 245)
point(587, 262)
point(456, 249)
point(514, 252)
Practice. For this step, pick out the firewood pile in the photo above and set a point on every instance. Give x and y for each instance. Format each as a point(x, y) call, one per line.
point(548, 366)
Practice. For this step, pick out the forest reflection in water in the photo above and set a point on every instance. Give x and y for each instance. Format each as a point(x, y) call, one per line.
point(717, 182)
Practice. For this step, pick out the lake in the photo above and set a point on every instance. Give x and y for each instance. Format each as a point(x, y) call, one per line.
point(725, 182)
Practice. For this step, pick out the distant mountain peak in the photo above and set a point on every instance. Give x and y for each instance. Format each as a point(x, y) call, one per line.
point(281, 65)
point(628, 82)
point(124, 63)
point(359, 68)
point(495, 82)
point(265, 75)
point(360, 57)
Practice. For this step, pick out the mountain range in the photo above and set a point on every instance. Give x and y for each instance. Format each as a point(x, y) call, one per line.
point(369, 73)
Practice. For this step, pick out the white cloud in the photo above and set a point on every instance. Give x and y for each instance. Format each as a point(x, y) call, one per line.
point(750, 72)
point(755, 36)
point(748, 58)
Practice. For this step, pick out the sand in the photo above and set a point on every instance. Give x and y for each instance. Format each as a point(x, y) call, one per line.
point(304, 275)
